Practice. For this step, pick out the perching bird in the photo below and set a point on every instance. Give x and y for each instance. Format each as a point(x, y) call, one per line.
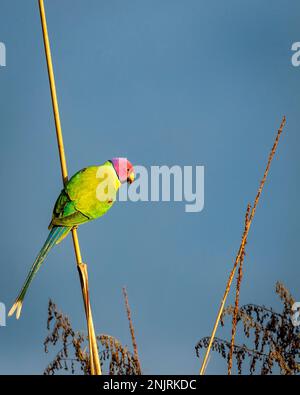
point(88, 195)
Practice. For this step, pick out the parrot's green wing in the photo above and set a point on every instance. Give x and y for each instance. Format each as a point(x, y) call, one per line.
point(65, 213)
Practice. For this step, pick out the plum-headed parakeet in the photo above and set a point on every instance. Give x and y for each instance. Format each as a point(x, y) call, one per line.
point(88, 195)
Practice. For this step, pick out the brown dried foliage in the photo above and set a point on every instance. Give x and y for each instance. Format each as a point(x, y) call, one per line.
point(117, 359)
point(275, 342)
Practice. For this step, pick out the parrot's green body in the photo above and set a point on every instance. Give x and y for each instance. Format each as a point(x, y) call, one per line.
point(78, 202)
point(88, 195)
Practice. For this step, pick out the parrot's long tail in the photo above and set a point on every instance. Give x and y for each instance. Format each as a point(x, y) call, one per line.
point(55, 235)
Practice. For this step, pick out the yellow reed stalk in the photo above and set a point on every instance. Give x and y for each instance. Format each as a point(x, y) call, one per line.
point(242, 246)
point(82, 267)
point(237, 297)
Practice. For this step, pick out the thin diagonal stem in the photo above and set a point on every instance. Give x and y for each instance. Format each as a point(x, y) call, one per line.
point(132, 332)
point(237, 298)
point(242, 245)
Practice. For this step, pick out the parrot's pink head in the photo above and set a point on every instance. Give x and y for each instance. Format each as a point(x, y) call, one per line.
point(124, 169)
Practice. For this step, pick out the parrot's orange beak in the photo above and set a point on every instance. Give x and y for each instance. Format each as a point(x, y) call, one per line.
point(131, 178)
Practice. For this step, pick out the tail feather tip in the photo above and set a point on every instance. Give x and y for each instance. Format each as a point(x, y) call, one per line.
point(16, 306)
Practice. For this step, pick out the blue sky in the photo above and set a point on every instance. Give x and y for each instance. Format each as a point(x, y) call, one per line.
point(162, 82)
